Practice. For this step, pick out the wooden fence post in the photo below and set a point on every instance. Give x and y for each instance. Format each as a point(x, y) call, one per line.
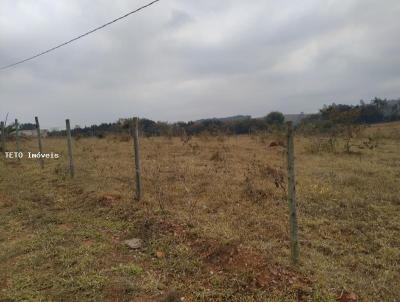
point(294, 243)
point(41, 160)
point(70, 156)
point(3, 137)
point(135, 134)
point(17, 136)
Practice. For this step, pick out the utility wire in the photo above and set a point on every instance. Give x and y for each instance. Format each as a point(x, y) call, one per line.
point(81, 36)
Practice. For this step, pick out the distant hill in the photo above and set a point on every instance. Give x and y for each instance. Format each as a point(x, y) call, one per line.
point(296, 118)
point(227, 119)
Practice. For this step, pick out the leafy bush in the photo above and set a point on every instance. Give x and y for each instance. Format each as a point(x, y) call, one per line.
point(275, 118)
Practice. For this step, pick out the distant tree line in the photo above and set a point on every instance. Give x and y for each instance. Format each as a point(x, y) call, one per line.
point(27, 126)
point(375, 111)
point(234, 125)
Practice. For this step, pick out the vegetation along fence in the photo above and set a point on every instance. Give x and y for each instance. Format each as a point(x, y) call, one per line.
point(134, 130)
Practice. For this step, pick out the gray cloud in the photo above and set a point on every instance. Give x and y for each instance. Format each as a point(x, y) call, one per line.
point(187, 59)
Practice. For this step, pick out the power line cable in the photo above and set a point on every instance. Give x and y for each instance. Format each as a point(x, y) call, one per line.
point(79, 37)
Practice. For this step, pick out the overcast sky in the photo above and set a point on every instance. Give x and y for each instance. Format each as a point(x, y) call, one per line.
point(191, 59)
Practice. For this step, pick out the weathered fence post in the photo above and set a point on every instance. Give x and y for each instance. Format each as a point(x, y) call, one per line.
point(3, 137)
point(41, 160)
point(294, 243)
point(135, 134)
point(17, 136)
point(70, 156)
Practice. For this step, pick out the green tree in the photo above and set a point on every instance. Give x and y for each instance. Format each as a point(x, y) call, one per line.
point(275, 118)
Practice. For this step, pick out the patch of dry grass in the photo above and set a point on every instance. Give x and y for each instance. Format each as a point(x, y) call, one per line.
point(214, 221)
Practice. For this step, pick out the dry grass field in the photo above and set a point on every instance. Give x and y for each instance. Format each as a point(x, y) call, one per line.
point(213, 220)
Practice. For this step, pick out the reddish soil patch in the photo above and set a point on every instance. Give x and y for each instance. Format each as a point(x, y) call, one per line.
point(347, 297)
point(277, 144)
point(232, 257)
point(152, 227)
point(109, 199)
point(5, 200)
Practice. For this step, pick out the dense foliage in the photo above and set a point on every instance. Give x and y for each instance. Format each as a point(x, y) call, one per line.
point(336, 115)
point(329, 117)
point(235, 125)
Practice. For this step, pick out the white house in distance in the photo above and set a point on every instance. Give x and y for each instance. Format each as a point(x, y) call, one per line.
point(33, 133)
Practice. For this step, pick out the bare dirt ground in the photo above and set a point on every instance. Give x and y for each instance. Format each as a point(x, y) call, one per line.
point(213, 220)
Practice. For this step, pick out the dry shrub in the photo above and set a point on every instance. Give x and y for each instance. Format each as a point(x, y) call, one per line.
point(195, 148)
point(87, 149)
point(370, 143)
point(61, 171)
point(278, 135)
point(322, 145)
point(160, 183)
point(221, 137)
point(394, 134)
point(389, 134)
point(190, 196)
point(168, 140)
point(161, 191)
point(124, 137)
point(253, 192)
point(185, 138)
point(276, 175)
point(170, 137)
point(218, 156)
point(263, 137)
point(347, 137)
point(205, 136)
point(264, 182)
